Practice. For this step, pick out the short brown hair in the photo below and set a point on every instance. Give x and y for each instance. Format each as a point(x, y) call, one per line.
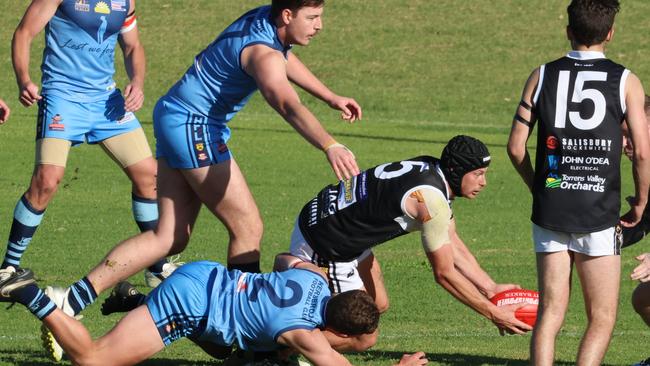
point(352, 313)
point(591, 20)
point(278, 5)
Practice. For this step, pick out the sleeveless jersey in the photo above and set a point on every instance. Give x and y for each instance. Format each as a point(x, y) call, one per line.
point(216, 86)
point(254, 309)
point(345, 219)
point(580, 105)
point(78, 58)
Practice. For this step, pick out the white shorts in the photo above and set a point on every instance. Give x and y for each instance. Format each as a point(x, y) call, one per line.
point(599, 243)
point(342, 276)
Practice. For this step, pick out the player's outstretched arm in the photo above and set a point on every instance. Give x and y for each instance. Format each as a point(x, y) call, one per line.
point(303, 77)
point(134, 62)
point(442, 261)
point(4, 112)
point(467, 264)
point(37, 15)
point(638, 131)
point(522, 126)
point(268, 68)
point(313, 345)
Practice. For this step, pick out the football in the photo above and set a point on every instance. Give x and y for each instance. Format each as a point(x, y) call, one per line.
point(528, 313)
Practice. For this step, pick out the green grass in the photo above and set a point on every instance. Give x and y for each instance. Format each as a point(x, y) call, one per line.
point(423, 71)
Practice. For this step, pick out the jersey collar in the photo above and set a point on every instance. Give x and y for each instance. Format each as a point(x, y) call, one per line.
point(585, 55)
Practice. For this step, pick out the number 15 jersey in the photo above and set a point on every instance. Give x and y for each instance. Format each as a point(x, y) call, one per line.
point(580, 104)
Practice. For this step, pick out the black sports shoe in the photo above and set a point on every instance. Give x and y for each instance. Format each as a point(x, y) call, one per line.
point(11, 279)
point(124, 297)
point(645, 362)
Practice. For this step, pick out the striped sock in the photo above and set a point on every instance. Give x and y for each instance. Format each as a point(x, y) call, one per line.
point(23, 227)
point(145, 213)
point(81, 295)
point(34, 299)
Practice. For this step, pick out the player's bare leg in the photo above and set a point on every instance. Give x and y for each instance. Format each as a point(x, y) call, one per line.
point(373, 281)
point(179, 208)
point(143, 178)
point(554, 282)
point(223, 189)
point(134, 339)
point(600, 279)
point(44, 184)
point(641, 301)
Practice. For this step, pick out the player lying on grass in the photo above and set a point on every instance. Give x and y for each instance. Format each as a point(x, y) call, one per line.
point(214, 307)
point(337, 229)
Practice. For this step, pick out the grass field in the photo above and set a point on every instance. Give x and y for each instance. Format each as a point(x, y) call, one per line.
point(423, 71)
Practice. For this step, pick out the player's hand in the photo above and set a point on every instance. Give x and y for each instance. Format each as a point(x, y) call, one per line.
point(4, 112)
point(28, 94)
point(504, 318)
point(342, 161)
point(634, 215)
point(642, 271)
point(500, 287)
point(416, 359)
point(133, 97)
point(350, 109)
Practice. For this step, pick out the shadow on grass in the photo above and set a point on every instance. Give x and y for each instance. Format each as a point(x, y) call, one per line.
point(459, 359)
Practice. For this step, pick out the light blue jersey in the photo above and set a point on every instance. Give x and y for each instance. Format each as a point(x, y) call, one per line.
point(216, 86)
point(190, 121)
point(205, 301)
point(78, 59)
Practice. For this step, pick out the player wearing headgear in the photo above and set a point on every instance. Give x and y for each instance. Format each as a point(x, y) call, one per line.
point(338, 228)
point(579, 102)
point(214, 307)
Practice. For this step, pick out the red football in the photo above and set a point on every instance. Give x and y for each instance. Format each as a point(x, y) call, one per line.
point(528, 313)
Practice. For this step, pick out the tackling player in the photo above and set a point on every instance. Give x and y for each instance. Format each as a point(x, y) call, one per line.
point(214, 307)
point(338, 228)
point(580, 101)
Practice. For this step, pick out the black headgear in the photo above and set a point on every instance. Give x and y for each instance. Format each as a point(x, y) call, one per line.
point(462, 155)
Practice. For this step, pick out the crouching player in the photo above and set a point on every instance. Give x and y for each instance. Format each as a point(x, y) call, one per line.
point(214, 307)
point(337, 229)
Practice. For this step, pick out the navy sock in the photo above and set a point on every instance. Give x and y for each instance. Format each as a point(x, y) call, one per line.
point(145, 213)
point(81, 295)
point(23, 227)
point(252, 267)
point(34, 299)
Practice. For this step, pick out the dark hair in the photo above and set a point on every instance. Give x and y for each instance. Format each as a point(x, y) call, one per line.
point(278, 5)
point(461, 155)
point(591, 20)
point(352, 313)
